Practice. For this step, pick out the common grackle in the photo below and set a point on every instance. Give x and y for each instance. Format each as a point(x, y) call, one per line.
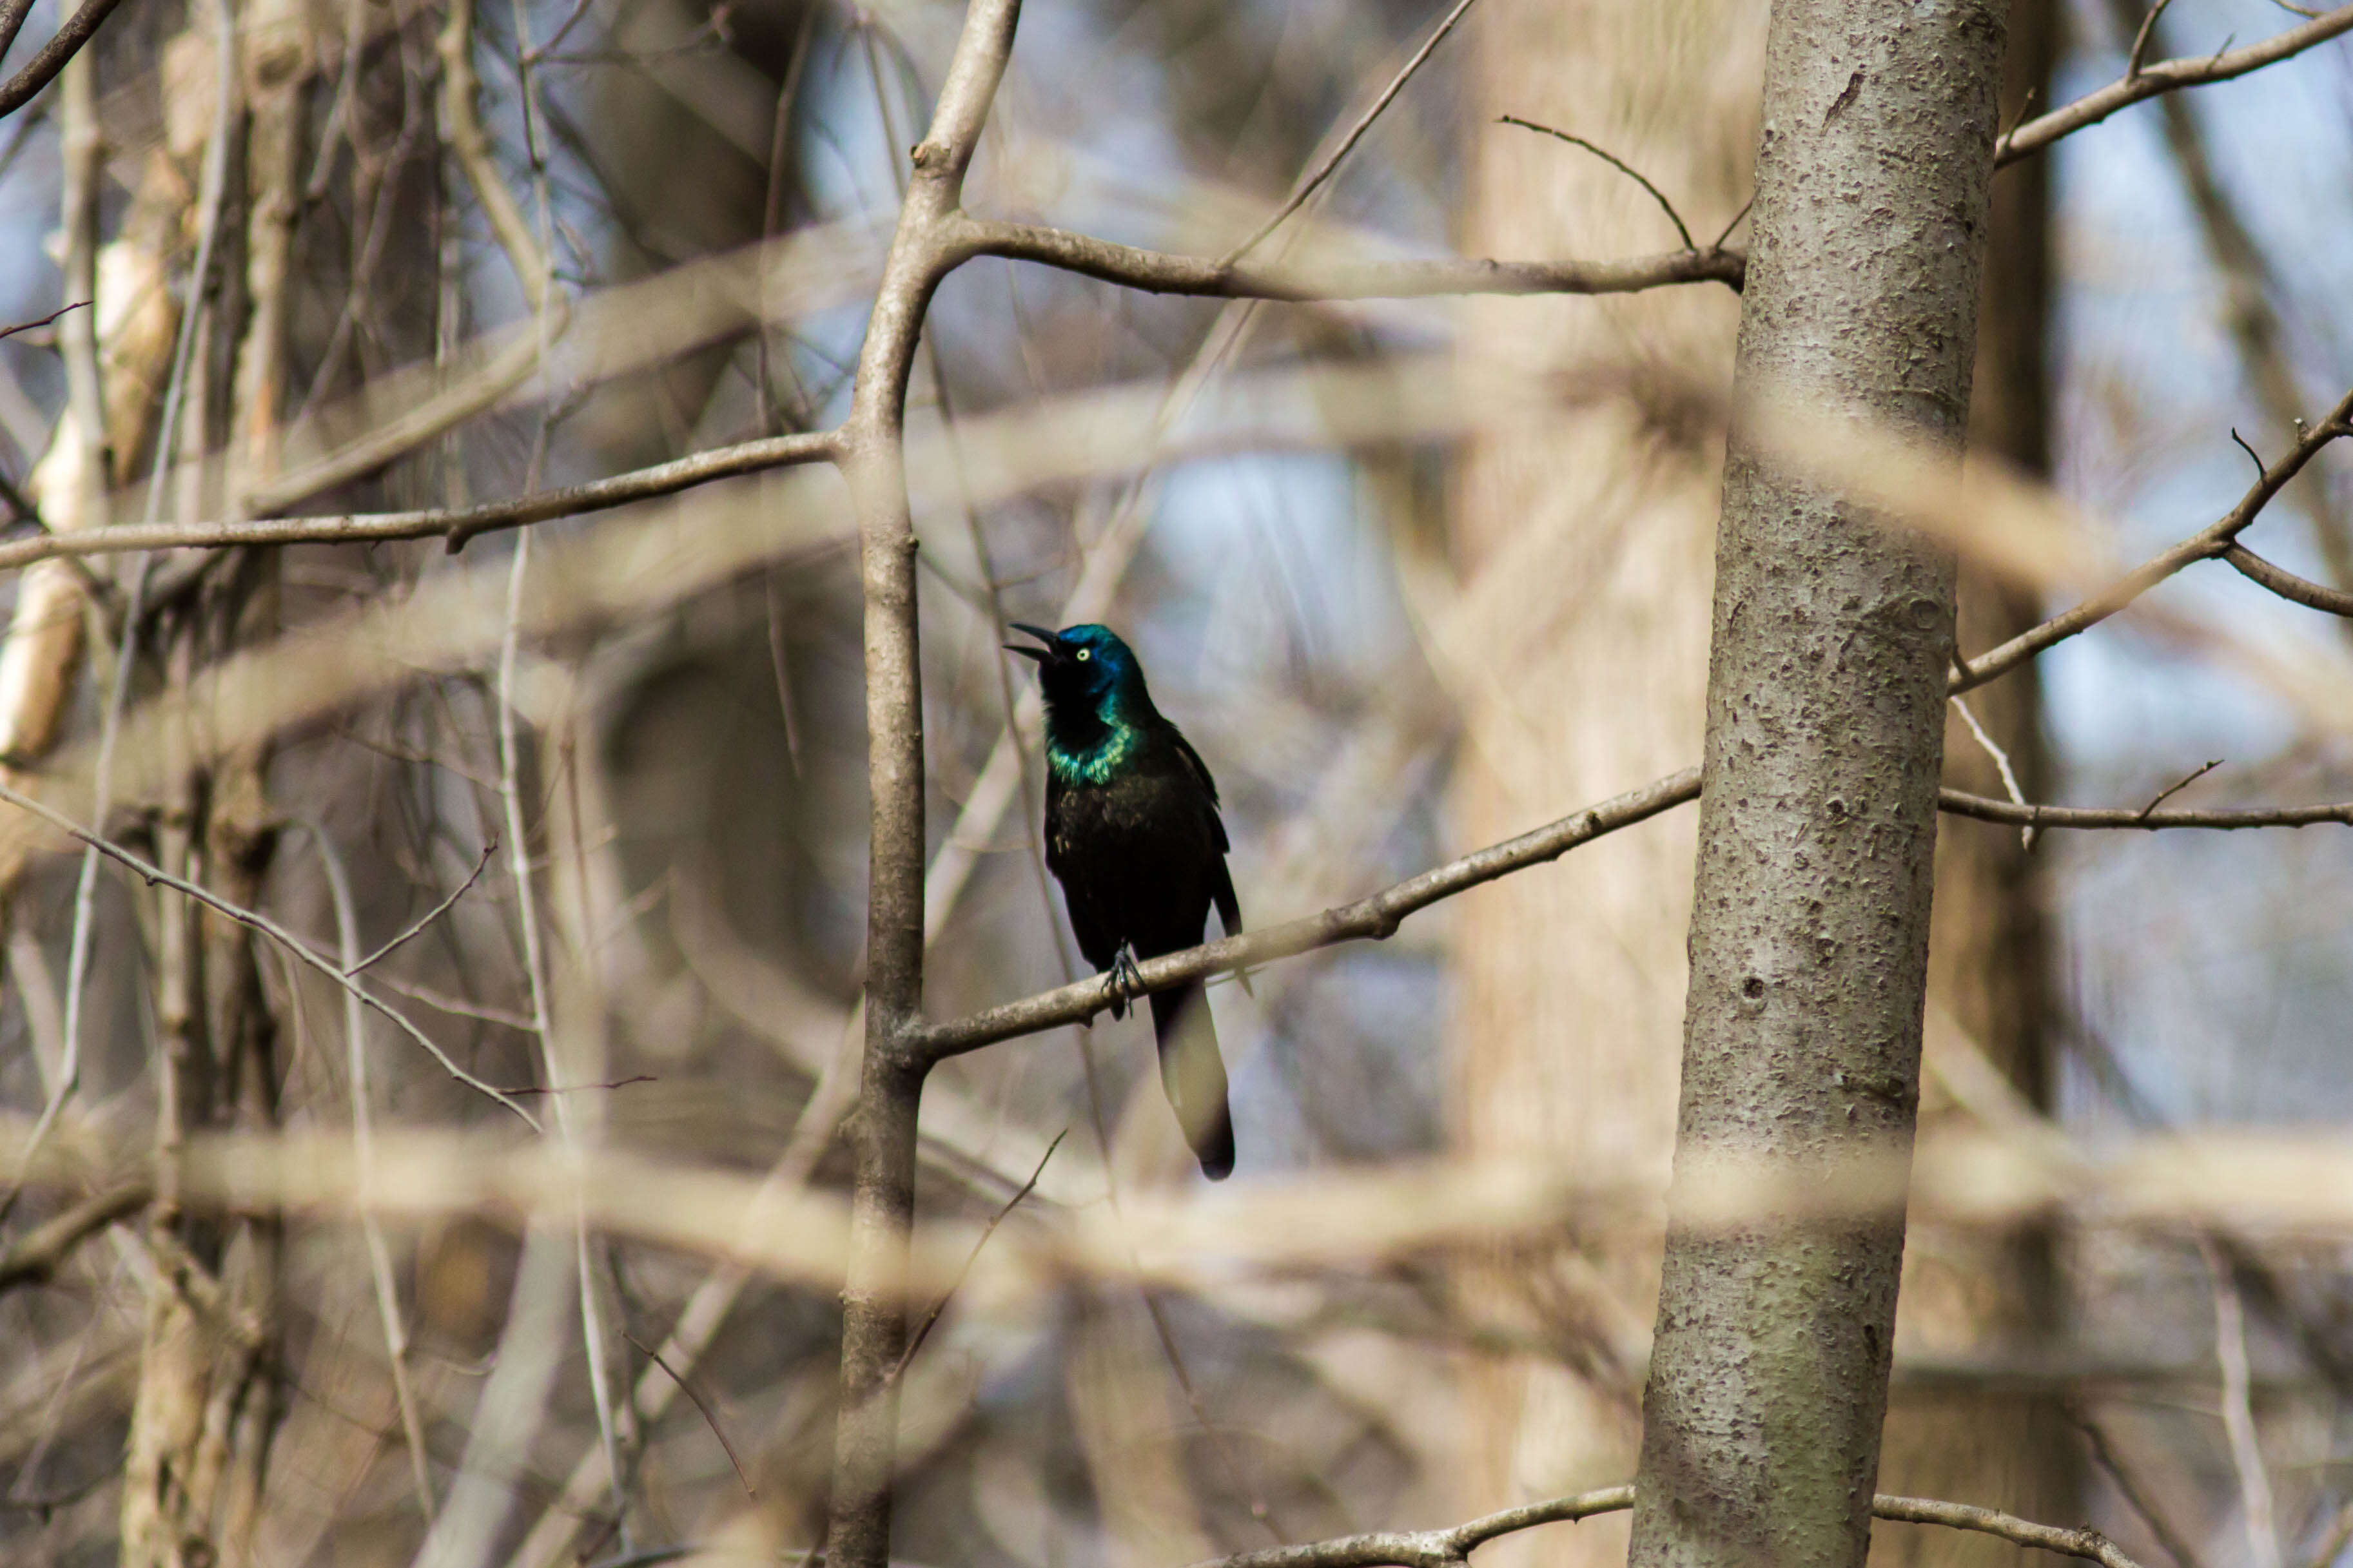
point(1133, 835)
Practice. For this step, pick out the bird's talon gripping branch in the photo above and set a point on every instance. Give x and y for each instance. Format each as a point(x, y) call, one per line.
point(1124, 982)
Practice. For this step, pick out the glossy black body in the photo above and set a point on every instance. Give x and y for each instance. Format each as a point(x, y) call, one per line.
point(1134, 836)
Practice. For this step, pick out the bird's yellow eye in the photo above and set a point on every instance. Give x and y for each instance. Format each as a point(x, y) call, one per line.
point(1085, 653)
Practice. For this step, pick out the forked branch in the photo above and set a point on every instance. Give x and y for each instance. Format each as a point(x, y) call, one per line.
point(2146, 81)
point(2215, 539)
point(1452, 1548)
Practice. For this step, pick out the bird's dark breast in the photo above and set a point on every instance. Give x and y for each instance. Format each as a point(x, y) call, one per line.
point(1135, 857)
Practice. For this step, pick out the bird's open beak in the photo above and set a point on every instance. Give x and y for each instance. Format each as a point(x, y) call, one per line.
point(1050, 653)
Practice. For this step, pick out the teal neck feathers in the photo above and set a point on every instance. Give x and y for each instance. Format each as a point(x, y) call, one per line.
point(1091, 746)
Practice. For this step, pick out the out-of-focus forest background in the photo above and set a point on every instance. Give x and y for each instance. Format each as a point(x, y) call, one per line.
point(1387, 657)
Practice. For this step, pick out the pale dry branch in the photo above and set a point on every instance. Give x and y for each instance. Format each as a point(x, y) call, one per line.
point(39, 321)
point(1616, 162)
point(1315, 178)
point(1319, 279)
point(2339, 1534)
point(1378, 916)
point(702, 1407)
point(156, 876)
point(2287, 584)
point(2213, 540)
point(2143, 818)
point(873, 460)
point(470, 143)
point(410, 931)
point(32, 1258)
point(1452, 1548)
point(2140, 39)
point(2265, 1182)
point(2258, 1514)
point(1373, 917)
point(2169, 76)
point(454, 525)
point(2104, 1453)
point(931, 1319)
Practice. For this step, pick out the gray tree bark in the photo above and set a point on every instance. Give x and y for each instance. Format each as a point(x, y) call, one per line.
point(1825, 737)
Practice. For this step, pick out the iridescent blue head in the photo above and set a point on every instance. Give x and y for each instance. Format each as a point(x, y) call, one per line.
point(1095, 690)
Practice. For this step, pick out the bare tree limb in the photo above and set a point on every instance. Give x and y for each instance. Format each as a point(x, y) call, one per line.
point(2011, 813)
point(2286, 583)
point(2105, 1455)
point(268, 927)
point(931, 1319)
point(709, 1418)
point(2255, 1506)
point(38, 71)
point(461, 128)
point(1452, 1548)
point(2141, 40)
point(39, 321)
point(2166, 76)
point(1330, 166)
point(1616, 162)
point(457, 526)
point(872, 458)
point(38, 1254)
point(2088, 1544)
point(2209, 542)
point(435, 913)
point(1375, 917)
point(1160, 272)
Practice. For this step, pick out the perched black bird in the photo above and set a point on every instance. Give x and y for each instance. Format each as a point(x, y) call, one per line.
point(1133, 835)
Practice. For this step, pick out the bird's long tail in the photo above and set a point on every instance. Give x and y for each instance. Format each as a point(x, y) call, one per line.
point(1195, 1076)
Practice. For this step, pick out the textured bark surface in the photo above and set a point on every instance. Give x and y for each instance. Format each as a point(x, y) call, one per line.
point(1969, 1296)
point(1587, 550)
point(1825, 731)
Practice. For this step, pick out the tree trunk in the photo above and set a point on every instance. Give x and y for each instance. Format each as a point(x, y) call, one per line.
point(1977, 1296)
point(1825, 739)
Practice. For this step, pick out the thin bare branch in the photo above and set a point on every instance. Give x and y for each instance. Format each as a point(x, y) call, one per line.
point(2286, 583)
point(1373, 918)
point(2208, 543)
point(931, 1319)
point(710, 1419)
point(470, 143)
point(36, 1255)
point(2341, 1533)
point(2088, 1544)
point(2166, 76)
point(873, 463)
point(12, 21)
point(2256, 1509)
point(2146, 819)
point(1330, 166)
point(435, 913)
point(1159, 272)
point(2178, 785)
point(38, 71)
point(264, 925)
point(455, 525)
point(2141, 40)
point(1616, 162)
point(2105, 1455)
point(41, 321)
point(1451, 1548)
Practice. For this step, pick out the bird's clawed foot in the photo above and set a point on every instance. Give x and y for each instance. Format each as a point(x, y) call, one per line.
point(1124, 982)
